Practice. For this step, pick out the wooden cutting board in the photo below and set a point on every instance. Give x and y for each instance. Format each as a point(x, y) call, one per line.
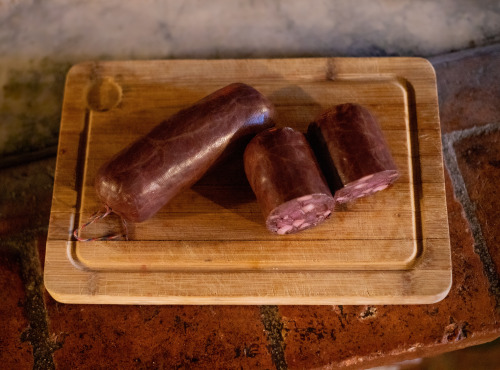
point(209, 245)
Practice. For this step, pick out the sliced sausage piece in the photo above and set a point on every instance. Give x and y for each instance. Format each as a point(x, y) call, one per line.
point(286, 179)
point(352, 151)
point(143, 177)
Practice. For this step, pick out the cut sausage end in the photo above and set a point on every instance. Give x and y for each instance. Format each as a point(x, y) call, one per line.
point(366, 185)
point(300, 214)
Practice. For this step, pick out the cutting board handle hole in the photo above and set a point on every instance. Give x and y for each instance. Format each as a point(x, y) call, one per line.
point(104, 94)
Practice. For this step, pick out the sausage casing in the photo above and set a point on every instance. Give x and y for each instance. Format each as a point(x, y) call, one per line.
point(286, 179)
point(352, 151)
point(144, 176)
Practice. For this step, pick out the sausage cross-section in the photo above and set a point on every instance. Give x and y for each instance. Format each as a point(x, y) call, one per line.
point(286, 179)
point(352, 151)
point(143, 177)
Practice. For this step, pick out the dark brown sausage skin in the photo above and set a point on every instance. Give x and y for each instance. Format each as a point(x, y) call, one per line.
point(143, 177)
point(352, 151)
point(286, 179)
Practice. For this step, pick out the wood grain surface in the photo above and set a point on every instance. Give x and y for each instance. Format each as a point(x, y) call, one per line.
point(209, 245)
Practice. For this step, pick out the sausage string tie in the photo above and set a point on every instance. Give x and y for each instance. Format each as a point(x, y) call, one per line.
point(99, 215)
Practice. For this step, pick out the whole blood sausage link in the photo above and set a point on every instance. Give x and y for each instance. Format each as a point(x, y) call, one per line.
point(352, 151)
point(143, 177)
point(286, 179)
